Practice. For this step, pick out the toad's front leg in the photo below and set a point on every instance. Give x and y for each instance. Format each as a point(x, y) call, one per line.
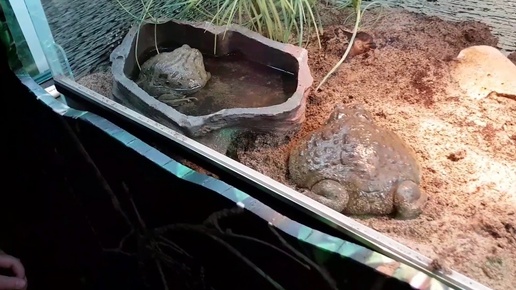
point(175, 100)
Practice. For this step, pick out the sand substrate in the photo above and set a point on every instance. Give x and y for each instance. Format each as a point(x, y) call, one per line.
point(466, 147)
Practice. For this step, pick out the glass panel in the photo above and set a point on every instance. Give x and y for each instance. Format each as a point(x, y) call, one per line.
point(13, 34)
point(55, 55)
point(8, 42)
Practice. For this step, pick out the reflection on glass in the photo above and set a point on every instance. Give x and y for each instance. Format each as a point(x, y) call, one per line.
point(13, 37)
point(54, 54)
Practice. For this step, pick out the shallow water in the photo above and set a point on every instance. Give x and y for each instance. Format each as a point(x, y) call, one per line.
point(237, 82)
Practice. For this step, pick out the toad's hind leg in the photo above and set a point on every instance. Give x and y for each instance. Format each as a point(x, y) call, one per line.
point(330, 193)
point(409, 200)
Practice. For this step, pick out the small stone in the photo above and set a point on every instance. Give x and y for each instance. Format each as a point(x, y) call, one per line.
point(458, 155)
point(512, 57)
point(439, 265)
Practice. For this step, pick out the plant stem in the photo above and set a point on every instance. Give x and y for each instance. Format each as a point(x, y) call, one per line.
point(348, 49)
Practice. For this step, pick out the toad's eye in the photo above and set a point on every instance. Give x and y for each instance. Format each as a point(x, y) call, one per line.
point(163, 76)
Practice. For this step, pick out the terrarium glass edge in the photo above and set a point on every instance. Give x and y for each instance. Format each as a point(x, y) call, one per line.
point(303, 233)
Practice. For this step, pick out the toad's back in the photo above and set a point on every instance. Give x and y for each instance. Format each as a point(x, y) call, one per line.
point(354, 150)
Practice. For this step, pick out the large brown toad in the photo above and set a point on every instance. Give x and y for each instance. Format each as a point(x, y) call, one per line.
point(358, 168)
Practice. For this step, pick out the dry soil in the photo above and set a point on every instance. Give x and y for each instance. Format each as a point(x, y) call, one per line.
point(466, 147)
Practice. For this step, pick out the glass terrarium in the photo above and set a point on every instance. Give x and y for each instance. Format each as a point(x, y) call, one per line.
point(393, 120)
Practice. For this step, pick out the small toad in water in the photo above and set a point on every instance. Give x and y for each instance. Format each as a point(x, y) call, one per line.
point(358, 168)
point(171, 76)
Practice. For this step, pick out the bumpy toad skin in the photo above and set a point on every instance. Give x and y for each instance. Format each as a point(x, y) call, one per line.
point(170, 76)
point(358, 168)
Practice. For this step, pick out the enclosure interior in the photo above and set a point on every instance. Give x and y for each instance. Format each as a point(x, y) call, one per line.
point(466, 147)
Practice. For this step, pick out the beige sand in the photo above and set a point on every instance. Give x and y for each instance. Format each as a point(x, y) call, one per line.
point(467, 147)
